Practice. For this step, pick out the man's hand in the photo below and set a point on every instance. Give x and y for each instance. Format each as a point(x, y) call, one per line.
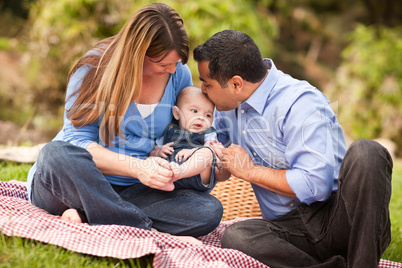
point(236, 160)
point(221, 173)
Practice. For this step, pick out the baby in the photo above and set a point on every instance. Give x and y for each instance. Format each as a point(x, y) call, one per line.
point(187, 143)
point(186, 147)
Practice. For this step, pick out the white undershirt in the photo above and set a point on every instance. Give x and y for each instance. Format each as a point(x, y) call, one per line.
point(146, 109)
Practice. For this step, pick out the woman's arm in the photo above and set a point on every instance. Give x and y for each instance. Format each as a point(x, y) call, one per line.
point(153, 172)
point(155, 151)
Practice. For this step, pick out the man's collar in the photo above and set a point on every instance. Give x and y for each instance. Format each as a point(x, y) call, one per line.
point(258, 99)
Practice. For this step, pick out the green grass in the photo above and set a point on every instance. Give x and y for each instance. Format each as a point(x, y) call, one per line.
point(12, 171)
point(19, 252)
point(394, 251)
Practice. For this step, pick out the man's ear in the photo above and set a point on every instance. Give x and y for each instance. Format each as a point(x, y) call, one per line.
point(237, 83)
point(176, 112)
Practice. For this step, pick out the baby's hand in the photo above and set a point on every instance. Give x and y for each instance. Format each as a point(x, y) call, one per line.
point(166, 150)
point(209, 144)
point(184, 154)
point(216, 146)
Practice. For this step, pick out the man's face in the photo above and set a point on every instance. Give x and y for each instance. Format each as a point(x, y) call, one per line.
point(223, 98)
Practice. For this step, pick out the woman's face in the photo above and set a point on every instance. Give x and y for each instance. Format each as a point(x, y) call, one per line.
point(157, 67)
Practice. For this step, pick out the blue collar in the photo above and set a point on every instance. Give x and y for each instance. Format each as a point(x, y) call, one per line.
point(258, 99)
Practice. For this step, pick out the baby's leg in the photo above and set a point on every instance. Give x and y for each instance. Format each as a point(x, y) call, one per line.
point(199, 162)
point(206, 175)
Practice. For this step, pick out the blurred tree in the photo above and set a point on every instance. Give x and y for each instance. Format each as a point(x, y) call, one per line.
point(308, 44)
point(204, 18)
point(385, 13)
point(63, 30)
point(19, 8)
point(304, 37)
point(311, 32)
point(368, 85)
point(60, 33)
point(13, 16)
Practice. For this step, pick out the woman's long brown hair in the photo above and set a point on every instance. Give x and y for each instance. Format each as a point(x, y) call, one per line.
point(114, 79)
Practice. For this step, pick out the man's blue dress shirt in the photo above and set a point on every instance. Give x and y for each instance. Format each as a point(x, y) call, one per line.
point(287, 124)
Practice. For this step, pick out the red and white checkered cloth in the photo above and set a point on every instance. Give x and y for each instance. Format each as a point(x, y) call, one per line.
point(20, 218)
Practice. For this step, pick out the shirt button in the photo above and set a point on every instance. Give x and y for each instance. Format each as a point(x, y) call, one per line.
point(244, 132)
point(242, 111)
point(292, 204)
point(255, 154)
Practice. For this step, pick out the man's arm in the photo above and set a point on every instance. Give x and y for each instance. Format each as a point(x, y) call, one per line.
point(238, 162)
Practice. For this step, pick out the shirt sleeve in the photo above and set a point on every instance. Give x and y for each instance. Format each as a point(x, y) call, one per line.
point(159, 141)
point(308, 130)
point(211, 136)
point(87, 134)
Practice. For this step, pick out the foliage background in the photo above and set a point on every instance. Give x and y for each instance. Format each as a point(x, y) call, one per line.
point(350, 50)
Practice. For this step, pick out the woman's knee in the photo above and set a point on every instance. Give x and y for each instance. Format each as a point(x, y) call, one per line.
point(207, 215)
point(57, 153)
point(52, 152)
point(212, 212)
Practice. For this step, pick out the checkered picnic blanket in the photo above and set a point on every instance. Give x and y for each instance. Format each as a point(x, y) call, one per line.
point(20, 218)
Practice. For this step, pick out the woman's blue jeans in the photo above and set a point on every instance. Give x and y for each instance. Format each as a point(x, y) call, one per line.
point(350, 229)
point(67, 177)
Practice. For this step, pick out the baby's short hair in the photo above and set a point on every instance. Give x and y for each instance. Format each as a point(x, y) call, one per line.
point(185, 91)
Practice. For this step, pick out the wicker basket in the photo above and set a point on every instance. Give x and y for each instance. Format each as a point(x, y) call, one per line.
point(238, 199)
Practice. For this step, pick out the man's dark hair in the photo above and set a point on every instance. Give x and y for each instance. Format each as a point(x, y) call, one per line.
point(231, 53)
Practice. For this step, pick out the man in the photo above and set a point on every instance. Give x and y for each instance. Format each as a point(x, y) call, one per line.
point(321, 206)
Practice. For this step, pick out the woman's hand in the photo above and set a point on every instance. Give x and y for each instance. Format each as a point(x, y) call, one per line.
point(155, 172)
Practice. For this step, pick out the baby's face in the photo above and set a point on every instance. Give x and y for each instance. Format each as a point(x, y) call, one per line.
point(196, 113)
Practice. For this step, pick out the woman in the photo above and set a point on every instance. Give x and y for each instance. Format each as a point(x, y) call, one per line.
point(119, 100)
